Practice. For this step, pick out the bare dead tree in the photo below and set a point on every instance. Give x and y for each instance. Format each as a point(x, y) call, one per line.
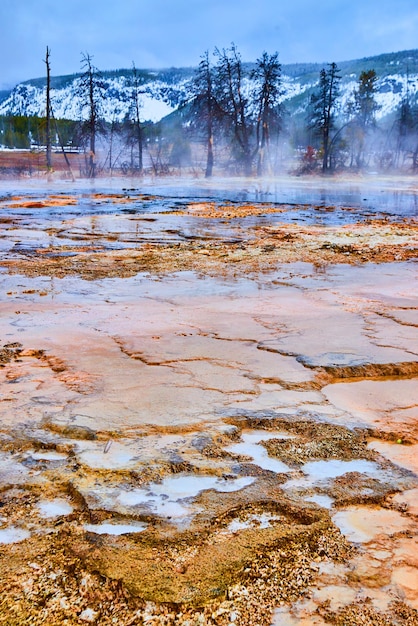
point(48, 110)
point(136, 106)
point(204, 107)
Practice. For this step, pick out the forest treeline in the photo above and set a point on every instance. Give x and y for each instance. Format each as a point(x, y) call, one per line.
point(234, 120)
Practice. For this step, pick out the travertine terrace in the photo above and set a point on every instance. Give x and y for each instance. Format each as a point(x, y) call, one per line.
point(208, 405)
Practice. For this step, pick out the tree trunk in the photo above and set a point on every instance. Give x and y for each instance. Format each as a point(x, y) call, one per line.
point(92, 155)
point(248, 165)
point(138, 134)
point(325, 157)
point(260, 161)
point(415, 160)
point(209, 159)
point(48, 112)
point(139, 144)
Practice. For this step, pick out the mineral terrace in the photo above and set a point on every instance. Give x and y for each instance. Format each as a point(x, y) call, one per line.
point(208, 410)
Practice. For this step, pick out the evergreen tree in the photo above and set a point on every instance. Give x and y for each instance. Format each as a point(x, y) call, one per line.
point(267, 75)
point(323, 106)
point(415, 139)
point(406, 125)
point(365, 107)
point(365, 98)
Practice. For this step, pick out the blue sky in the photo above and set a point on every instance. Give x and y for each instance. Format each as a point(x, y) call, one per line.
point(166, 33)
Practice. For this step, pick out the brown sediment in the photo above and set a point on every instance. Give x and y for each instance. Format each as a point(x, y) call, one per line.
point(327, 374)
point(61, 576)
point(10, 352)
point(62, 200)
point(207, 570)
point(364, 613)
point(210, 560)
point(216, 259)
point(318, 441)
point(230, 210)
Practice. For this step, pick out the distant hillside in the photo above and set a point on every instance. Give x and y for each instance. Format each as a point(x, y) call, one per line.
point(163, 91)
point(4, 94)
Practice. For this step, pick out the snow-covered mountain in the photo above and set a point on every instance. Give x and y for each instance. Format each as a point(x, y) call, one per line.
point(163, 91)
point(160, 95)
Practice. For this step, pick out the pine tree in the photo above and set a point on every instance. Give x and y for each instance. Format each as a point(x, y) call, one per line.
point(267, 75)
point(406, 125)
point(323, 106)
point(365, 110)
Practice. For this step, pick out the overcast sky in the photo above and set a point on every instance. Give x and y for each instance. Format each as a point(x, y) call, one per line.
point(166, 33)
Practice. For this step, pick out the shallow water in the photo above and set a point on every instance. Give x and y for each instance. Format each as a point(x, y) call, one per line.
point(54, 508)
point(318, 472)
point(48, 455)
point(168, 497)
point(321, 500)
point(137, 218)
point(250, 446)
point(265, 520)
point(113, 528)
point(13, 535)
point(398, 195)
point(322, 470)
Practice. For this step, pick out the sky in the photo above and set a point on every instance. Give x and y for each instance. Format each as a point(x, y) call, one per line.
point(175, 33)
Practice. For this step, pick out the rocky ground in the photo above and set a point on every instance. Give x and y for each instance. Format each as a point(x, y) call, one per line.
point(208, 413)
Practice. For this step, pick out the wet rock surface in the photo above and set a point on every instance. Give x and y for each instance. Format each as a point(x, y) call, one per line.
point(208, 413)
